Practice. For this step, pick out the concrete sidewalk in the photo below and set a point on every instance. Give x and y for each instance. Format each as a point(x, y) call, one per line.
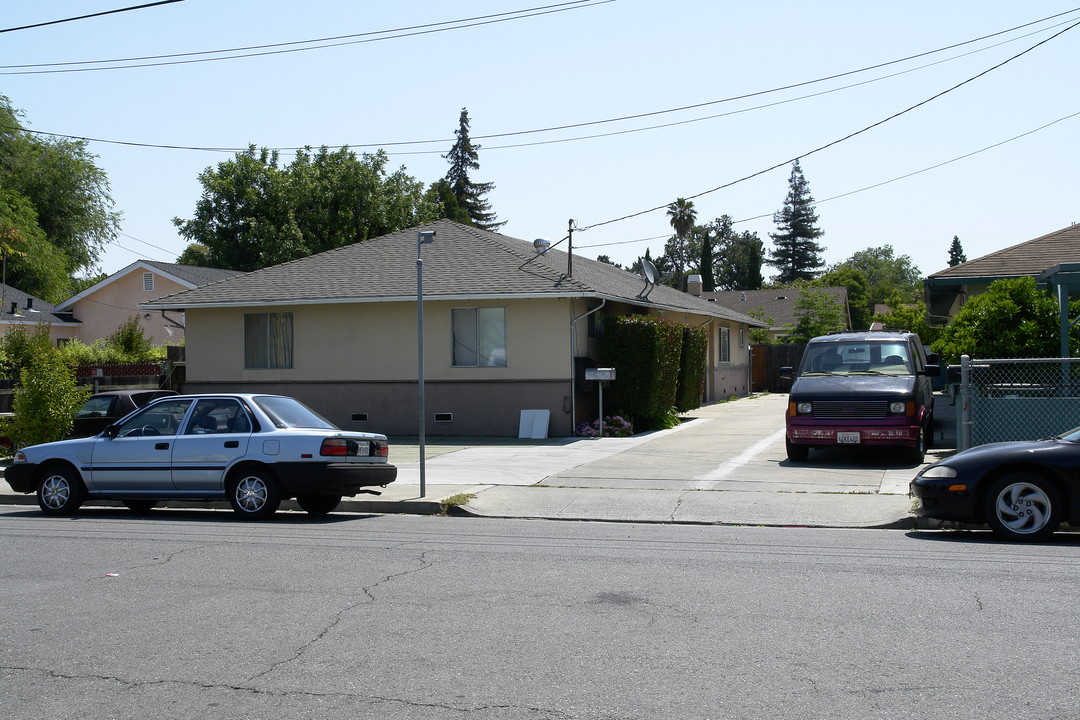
point(724, 465)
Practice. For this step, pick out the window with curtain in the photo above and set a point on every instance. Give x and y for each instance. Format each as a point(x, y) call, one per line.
point(725, 345)
point(268, 340)
point(479, 336)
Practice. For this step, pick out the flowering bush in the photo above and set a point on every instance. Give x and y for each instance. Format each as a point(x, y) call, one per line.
point(614, 426)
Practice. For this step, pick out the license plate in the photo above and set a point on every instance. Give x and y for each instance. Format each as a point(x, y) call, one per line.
point(847, 438)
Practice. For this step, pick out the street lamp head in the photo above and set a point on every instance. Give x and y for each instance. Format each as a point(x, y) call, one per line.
point(425, 237)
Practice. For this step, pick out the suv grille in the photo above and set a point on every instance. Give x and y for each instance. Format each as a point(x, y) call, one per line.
point(850, 409)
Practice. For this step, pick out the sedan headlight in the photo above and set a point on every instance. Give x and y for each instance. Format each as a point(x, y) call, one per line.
point(938, 471)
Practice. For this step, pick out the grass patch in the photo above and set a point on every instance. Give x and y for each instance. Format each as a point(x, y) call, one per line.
point(455, 501)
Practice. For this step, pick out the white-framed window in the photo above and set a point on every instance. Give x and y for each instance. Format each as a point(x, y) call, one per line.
point(148, 282)
point(268, 340)
point(479, 336)
point(725, 345)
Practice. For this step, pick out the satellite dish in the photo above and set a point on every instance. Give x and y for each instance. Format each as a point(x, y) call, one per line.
point(650, 271)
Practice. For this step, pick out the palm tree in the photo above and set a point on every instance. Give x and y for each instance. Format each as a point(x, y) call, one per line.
point(682, 215)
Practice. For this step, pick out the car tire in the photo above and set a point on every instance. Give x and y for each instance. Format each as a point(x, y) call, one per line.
point(318, 505)
point(796, 453)
point(917, 454)
point(140, 506)
point(1022, 506)
point(60, 492)
point(253, 494)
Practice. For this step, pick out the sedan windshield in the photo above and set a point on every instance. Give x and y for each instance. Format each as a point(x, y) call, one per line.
point(285, 412)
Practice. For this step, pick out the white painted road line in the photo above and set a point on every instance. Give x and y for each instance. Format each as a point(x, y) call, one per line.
point(709, 480)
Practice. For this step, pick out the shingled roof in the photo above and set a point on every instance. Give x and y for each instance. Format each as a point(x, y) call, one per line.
point(1028, 258)
point(462, 263)
point(777, 304)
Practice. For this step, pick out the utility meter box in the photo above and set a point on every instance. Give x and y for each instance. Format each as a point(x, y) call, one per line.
point(601, 374)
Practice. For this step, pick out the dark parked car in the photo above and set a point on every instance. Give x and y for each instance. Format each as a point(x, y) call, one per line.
point(865, 388)
point(252, 450)
point(1022, 490)
point(104, 408)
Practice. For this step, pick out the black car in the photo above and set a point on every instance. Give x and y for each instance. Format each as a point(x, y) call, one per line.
point(1022, 490)
point(104, 408)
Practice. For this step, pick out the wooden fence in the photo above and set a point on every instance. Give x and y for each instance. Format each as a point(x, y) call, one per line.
point(766, 361)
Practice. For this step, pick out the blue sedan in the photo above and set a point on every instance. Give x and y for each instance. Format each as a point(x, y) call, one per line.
point(253, 450)
point(1022, 490)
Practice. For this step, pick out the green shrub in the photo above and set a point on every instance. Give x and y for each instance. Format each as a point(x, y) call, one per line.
point(45, 401)
point(692, 362)
point(645, 352)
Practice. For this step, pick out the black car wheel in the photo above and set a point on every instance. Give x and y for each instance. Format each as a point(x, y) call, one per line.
point(318, 505)
point(60, 492)
point(253, 494)
point(140, 506)
point(796, 453)
point(1022, 506)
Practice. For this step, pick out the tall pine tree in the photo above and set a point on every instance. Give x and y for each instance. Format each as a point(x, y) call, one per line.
point(464, 157)
point(796, 255)
point(956, 252)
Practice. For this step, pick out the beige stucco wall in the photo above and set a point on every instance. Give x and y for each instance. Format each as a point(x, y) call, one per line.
point(103, 310)
point(56, 332)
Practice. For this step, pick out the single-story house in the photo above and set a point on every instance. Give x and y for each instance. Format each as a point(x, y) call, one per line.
point(506, 328)
point(1047, 259)
point(776, 306)
point(20, 309)
point(107, 304)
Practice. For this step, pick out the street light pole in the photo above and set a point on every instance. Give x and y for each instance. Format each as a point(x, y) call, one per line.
point(423, 237)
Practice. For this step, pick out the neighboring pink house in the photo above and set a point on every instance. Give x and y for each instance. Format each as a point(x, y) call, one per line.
point(101, 308)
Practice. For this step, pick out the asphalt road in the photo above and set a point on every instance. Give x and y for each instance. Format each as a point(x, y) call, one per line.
point(188, 614)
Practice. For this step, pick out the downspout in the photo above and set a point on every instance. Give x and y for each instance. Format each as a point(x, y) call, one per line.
point(573, 354)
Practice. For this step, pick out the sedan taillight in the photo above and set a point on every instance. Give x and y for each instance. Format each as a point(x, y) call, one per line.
point(344, 447)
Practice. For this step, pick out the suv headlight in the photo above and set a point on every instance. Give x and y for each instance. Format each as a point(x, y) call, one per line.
point(804, 408)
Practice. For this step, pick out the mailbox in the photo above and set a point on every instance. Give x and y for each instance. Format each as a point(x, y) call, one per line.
point(601, 374)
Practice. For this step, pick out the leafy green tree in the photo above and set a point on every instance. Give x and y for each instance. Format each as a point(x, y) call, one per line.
point(607, 260)
point(761, 336)
point(858, 292)
point(738, 256)
point(464, 157)
point(796, 253)
point(889, 276)
point(441, 194)
point(910, 316)
point(55, 208)
point(1013, 318)
point(130, 339)
point(194, 254)
point(956, 252)
point(818, 314)
point(253, 213)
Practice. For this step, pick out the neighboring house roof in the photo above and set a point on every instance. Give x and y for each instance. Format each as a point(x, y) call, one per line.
point(190, 276)
point(463, 263)
point(29, 309)
point(1028, 258)
point(777, 305)
point(947, 289)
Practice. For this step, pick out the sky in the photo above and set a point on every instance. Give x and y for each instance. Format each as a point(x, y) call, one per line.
point(705, 100)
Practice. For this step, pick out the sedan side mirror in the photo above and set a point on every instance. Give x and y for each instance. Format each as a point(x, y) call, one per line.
point(110, 431)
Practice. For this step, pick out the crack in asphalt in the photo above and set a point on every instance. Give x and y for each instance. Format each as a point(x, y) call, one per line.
point(250, 690)
point(369, 597)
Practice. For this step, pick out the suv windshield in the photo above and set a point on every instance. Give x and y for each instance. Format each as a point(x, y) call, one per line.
point(845, 358)
point(285, 412)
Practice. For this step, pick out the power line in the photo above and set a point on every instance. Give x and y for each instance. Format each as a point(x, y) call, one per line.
point(92, 15)
point(401, 33)
point(609, 120)
point(844, 138)
point(867, 187)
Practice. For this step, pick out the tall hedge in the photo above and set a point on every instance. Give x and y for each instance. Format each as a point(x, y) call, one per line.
point(695, 348)
point(645, 353)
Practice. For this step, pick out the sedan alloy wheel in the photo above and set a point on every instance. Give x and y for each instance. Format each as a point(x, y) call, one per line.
point(1023, 506)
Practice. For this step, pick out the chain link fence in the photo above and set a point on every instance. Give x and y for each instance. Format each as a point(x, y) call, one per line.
point(1017, 399)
